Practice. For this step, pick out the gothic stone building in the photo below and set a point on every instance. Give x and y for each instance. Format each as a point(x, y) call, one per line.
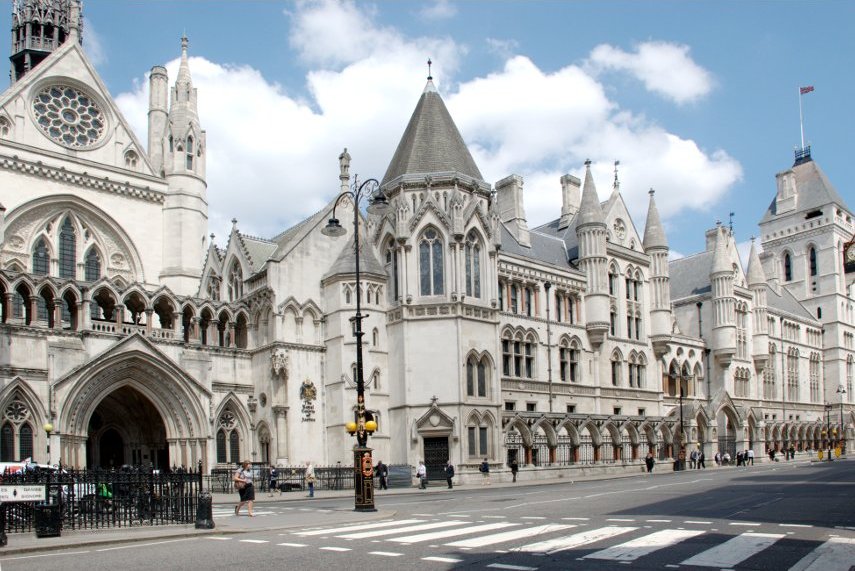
point(142, 341)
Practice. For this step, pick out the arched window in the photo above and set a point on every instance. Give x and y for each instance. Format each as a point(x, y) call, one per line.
point(375, 337)
point(431, 269)
point(131, 159)
point(568, 357)
point(529, 358)
point(812, 259)
point(528, 301)
point(235, 282)
point(616, 370)
point(788, 267)
point(171, 144)
point(228, 438)
point(482, 378)
point(7, 443)
point(392, 273)
point(25, 441)
point(506, 356)
point(473, 265)
point(67, 250)
point(476, 377)
point(41, 261)
point(5, 128)
point(222, 458)
point(93, 266)
point(234, 447)
point(189, 152)
point(514, 298)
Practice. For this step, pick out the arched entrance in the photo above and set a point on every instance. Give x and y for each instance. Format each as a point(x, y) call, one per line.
point(126, 428)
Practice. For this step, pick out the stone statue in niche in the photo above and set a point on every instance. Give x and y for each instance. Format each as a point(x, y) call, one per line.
point(279, 363)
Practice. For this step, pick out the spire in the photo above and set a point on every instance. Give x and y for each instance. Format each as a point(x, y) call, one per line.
point(756, 275)
point(183, 80)
point(654, 234)
point(590, 211)
point(431, 143)
point(721, 261)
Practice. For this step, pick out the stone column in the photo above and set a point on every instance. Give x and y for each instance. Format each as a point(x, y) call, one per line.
point(149, 312)
point(281, 417)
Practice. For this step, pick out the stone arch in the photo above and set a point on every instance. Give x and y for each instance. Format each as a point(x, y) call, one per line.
point(232, 403)
point(521, 427)
point(548, 430)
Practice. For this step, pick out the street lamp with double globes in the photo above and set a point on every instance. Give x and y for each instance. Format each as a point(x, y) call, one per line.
point(827, 430)
point(365, 424)
point(841, 390)
point(48, 429)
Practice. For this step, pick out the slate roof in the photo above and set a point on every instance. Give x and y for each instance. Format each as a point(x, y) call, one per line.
point(346, 261)
point(784, 301)
point(544, 248)
point(814, 190)
point(431, 142)
point(654, 234)
point(258, 250)
point(690, 275)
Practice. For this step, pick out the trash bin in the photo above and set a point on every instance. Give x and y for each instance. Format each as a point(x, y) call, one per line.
point(47, 519)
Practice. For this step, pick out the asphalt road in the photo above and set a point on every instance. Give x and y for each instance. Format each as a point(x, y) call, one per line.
point(769, 517)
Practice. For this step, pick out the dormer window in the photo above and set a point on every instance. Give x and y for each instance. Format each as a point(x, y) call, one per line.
point(189, 151)
point(131, 159)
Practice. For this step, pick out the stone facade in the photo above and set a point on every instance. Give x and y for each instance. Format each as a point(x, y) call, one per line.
point(126, 327)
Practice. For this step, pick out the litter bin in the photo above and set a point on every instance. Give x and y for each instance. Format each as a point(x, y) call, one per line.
point(48, 520)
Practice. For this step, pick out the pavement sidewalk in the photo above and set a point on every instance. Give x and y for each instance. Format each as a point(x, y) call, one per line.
point(23, 543)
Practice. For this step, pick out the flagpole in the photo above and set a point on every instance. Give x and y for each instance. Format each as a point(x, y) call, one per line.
point(801, 119)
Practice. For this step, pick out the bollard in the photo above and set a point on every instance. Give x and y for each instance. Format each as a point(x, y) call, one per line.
point(204, 513)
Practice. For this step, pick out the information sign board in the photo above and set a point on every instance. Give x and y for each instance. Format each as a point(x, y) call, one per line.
point(22, 493)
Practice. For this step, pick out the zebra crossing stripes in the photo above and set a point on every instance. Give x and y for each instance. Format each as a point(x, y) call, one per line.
point(576, 540)
point(641, 546)
point(345, 529)
point(452, 532)
point(399, 530)
point(734, 550)
point(836, 554)
point(507, 536)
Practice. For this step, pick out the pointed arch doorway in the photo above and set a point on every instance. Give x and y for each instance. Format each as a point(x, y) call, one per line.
point(126, 428)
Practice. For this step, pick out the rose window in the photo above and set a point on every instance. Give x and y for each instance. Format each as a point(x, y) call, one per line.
point(68, 116)
point(16, 411)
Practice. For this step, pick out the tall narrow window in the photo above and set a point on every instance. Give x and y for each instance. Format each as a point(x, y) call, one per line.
point(482, 378)
point(189, 151)
point(514, 300)
point(234, 446)
point(812, 258)
point(788, 268)
point(559, 308)
point(562, 363)
point(506, 357)
point(40, 258)
point(430, 263)
point(93, 266)
point(615, 372)
point(25, 441)
point(392, 273)
point(574, 364)
point(529, 359)
point(7, 443)
point(528, 301)
point(473, 265)
point(470, 377)
point(67, 250)
point(502, 297)
point(482, 441)
point(235, 282)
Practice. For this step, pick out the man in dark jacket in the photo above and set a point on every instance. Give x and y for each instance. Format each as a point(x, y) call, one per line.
point(515, 467)
point(383, 473)
point(449, 473)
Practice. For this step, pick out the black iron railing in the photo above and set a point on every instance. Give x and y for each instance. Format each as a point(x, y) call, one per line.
point(92, 499)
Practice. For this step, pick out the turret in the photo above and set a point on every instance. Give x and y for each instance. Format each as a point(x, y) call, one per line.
point(185, 209)
point(724, 302)
point(39, 27)
point(757, 285)
point(509, 194)
point(591, 233)
point(158, 104)
point(656, 246)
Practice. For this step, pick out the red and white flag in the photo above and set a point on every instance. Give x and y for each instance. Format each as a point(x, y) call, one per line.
point(806, 89)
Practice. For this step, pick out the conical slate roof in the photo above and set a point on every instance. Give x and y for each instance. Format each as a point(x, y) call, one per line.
point(590, 211)
point(346, 261)
point(654, 234)
point(756, 275)
point(431, 142)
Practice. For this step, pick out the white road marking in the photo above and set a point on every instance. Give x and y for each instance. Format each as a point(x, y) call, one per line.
point(452, 532)
point(511, 567)
point(698, 522)
point(219, 538)
point(335, 548)
point(442, 559)
point(836, 554)
point(576, 518)
point(495, 517)
point(400, 530)
point(571, 541)
point(508, 536)
point(533, 517)
point(385, 553)
point(658, 520)
point(793, 525)
point(145, 544)
point(641, 546)
point(619, 519)
point(746, 524)
point(59, 554)
point(735, 550)
point(292, 544)
point(355, 527)
point(254, 541)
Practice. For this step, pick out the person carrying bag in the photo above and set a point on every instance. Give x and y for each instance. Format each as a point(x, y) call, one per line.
point(243, 484)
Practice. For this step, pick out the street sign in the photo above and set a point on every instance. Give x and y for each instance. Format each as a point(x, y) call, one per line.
point(22, 494)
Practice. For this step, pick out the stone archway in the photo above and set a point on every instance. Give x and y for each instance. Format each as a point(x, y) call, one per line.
point(126, 428)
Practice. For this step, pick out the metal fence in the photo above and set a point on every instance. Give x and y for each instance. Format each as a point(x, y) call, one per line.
point(293, 478)
point(93, 499)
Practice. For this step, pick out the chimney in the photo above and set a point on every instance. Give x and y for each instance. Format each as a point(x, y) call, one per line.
point(570, 198)
point(509, 193)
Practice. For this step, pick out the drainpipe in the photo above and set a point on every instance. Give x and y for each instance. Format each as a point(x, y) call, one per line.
point(547, 287)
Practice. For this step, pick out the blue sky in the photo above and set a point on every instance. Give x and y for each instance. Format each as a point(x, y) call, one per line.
point(696, 99)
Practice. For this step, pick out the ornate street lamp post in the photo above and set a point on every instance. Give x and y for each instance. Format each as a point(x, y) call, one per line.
point(842, 436)
point(48, 429)
point(362, 462)
point(828, 407)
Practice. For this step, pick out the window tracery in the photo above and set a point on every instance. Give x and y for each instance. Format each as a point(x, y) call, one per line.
point(431, 269)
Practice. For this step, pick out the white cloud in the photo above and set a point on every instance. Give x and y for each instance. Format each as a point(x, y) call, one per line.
point(93, 44)
point(272, 157)
point(505, 49)
point(664, 68)
point(439, 10)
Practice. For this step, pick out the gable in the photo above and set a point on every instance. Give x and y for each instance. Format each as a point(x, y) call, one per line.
point(62, 106)
point(621, 229)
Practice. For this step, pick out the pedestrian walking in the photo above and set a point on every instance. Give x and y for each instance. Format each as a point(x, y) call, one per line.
point(449, 473)
point(273, 479)
point(485, 472)
point(792, 452)
point(725, 459)
point(717, 458)
point(751, 456)
point(701, 460)
point(421, 474)
point(382, 473)
point(310, 479)
point(693, 459)
point(246, 492)
point(515, 467)
point(649, 461)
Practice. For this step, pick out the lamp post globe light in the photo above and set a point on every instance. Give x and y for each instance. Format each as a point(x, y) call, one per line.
point(48, 427)
point(364, 425)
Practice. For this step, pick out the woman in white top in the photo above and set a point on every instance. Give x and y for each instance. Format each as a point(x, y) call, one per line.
point(246, 491)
